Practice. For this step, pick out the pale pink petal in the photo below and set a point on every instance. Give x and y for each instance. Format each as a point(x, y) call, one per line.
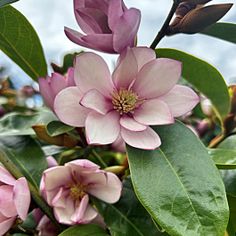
point(93, 99)
point(147, 139)
point(93, 178)
point(126, 71)
point(125, 30)
point(109, 191)
point(6, 224)
point(7, 207)
point(6, 177)
point(102, 129)
point(51, 161)
point(91, 72)
point(22, 197)
point(157, 78)
point(89, 215)
point(56, 177)
point(180, 100)
point(115, 11)
point(46, 91)
point(68, 109)
point(154, 112)
point(130, 124)
point(63, 215)
point(143, 55)
point(81, 165)
point(78, 215)
point(59, 200)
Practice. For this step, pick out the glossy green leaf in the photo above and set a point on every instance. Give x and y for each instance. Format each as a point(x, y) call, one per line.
point(179, 185)
point(55, 128)
point(128, 216)
point(223, 158)
point(204, 77)
point(19, 41)
point(14, 124)
point(84, 230)
point(229, 143)
point(27, 155)
point(231, 229)
point(6, 2)
point(225, 31)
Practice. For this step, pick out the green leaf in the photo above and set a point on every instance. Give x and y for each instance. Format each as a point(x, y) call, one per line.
point(225, 31)
point(204, 77)
point(128, 216)
point(27, 155)
point(14, 124)
point(229, 143)
point(19, 41)
point(231, 229)
point(223, 158)
point(179, 185)
point(6, 2)
point(84, 230)
point(55, 128)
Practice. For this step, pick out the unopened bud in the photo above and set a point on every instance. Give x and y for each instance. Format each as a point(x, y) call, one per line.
point(61, 140)
point(207, 107)
point(198, 19)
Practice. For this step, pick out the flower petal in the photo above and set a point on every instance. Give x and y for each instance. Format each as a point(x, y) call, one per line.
point(143, 55)
point(102, 129)
point(22, 197)
point(81, 165)
point(78, 215)
point(7, 206)
point(68, 108)
point(91, 72)
point(131, 124)
point(115, 11)
point(46, 91)
point(147, 139)
point(109, 191)
point(125, 30)
point(6, 224)
point(57, 83)
point(93, 99)
point(6, 177)
point(157, 78)
point(180, 100)
point(154, 112)
point(126, 71)
point(89, 215)
point(100, 42)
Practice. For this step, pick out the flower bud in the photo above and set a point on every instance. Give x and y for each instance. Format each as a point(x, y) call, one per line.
point(198, 19)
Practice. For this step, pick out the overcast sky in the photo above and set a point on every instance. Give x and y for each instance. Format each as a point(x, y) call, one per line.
point(50, 16)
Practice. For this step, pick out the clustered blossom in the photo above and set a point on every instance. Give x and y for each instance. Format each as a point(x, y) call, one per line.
point(53, 84)
point(142, 91)
point(108, 24)
point(67, 188)
point(14, 200)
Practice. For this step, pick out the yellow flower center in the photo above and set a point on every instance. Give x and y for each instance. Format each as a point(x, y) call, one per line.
point(77, 191)
point(125, 101)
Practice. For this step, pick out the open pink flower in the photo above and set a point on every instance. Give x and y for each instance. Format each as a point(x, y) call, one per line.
point(14, 200)
point(53, 84)
point(142, 91)
point(67, 189)
point(109, 26)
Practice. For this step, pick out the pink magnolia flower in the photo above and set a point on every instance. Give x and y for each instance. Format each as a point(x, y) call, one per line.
point(53, 84)
point(14, 200)
point(108, 24)
point(142, 91)
point(67, 189)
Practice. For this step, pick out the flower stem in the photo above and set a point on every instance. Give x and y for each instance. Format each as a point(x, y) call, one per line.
point(103, 164)
point(162, 33)
point(11, 167)
point(216, 141)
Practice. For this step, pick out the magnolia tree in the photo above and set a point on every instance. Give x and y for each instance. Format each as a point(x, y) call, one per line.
point(148, 149)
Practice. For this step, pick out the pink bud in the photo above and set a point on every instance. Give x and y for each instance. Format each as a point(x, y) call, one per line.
point(108, 24)
point(14, 200)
